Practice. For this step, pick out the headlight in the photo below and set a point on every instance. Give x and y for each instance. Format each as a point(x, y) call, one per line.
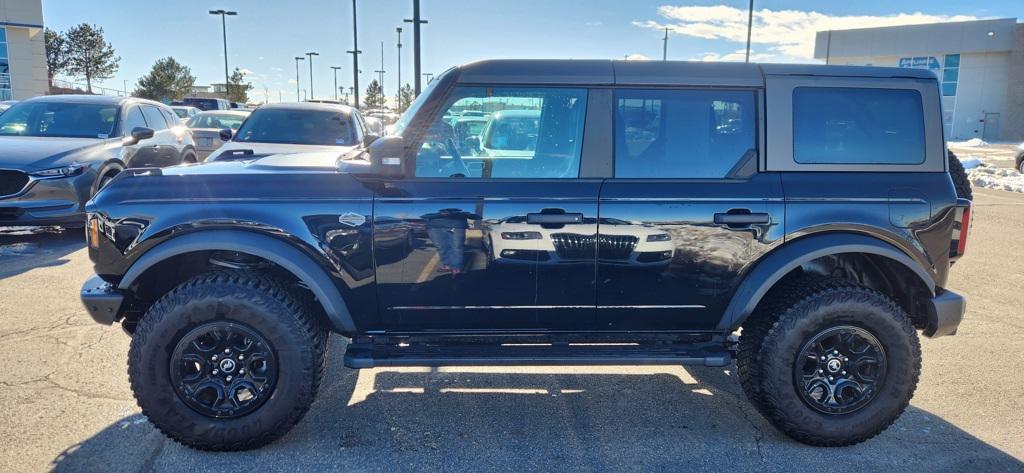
point(66, 171)
point(659, 237)
point(520, 235)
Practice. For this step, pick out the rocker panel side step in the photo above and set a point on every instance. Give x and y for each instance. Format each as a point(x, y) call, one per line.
point(359, 356)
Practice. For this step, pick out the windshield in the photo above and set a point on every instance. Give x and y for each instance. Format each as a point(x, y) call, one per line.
point(301, 127)
point(416, 105)
point(56, 119)
point(216, 120)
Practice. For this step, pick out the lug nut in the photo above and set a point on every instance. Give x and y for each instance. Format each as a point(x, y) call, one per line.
point(241, 357)
point(846, 359)
point(821, 371)
point(229, 378)
point(844, 373)
point(823, 358)
point(835, 352)
point(831, 378)
point(216, 371)
point(214, 357)
point(227, 350)
point(242, 371)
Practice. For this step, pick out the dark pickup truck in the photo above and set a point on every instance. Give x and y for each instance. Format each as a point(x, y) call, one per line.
point(800, 220)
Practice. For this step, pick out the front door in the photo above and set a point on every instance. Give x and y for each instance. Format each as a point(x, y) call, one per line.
point(687, 211)
point(483, 235)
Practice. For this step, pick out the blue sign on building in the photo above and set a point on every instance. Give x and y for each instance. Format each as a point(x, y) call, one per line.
point(921, 62)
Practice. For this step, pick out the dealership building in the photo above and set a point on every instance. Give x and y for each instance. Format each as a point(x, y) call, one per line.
point(980, 66)
point(22, 50)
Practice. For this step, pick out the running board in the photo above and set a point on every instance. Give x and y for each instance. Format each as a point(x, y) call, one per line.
point(371, 355)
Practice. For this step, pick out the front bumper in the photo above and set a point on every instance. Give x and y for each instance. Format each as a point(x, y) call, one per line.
point(49, 202)
point(945, 311)
point(102, 300)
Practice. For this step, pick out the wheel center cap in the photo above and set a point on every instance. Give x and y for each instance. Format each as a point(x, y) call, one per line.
point(834, 365)
point(227, 365)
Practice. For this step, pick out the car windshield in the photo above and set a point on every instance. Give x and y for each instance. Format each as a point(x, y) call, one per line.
point(302, 127)
point(59, 119)
point(218, 121)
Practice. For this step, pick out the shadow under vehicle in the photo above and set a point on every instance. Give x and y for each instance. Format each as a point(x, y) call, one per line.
point(828, 244)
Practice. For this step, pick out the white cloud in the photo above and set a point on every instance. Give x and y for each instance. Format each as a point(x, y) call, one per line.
point(737, 55)
point(788, 34)
point(291, 81)
point(637, 57)
point(593, 23)
point(246, 72)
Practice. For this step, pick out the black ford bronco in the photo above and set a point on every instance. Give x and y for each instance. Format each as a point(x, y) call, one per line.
point(798, 219)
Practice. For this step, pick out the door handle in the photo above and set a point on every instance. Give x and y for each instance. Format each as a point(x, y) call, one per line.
point(742, 217)
point(554, 219)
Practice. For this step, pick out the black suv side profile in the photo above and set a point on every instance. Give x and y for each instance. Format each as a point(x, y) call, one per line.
point(615, 213)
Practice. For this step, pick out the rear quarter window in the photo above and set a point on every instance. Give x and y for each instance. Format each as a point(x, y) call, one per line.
point(847, 125)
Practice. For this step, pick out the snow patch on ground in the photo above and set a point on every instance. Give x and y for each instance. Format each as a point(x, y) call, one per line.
point(996, 178)
point(972, 161)
point(971, 143)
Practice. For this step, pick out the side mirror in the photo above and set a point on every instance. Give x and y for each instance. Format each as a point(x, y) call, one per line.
point(369, 138)
point(138, 134)
point(386, 155)
point(226, 134)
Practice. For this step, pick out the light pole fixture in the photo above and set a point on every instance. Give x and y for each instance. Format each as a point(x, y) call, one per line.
point(336, 69)
point(298, 98)
point(416, 22)
point(664, 47)
point(311, 54)
point(398, 94)
point(355, 52)
point(429, 76)
point(750, 26)
point(224, 30)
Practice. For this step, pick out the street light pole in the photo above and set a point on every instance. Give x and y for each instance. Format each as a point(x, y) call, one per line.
point(416, 22)
point(398, 94)
point(336, 68)
point(311, 54)
point(750, 25)
point(224, 30)
point(664, 48)
point(381, 72)
point(355, 52)
point(429, 76)
point(297, 59)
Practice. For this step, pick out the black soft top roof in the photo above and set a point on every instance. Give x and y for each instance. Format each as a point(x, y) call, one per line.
point(614, 72)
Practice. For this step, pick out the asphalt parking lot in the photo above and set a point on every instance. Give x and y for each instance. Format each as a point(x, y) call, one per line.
point(65, 402)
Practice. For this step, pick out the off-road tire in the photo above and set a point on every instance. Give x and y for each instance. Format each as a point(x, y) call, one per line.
point(772, 338)
point(257, 301)
point(960, 180)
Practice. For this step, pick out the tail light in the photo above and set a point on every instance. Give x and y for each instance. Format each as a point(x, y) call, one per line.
point(961, 229)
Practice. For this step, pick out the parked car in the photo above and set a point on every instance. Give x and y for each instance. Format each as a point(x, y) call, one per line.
point(821, 220)
point(375, 126)
point(1019, 158)
point(205, 104)
point(294, 128)
point(185, 112)
point(59, 150)
point(6, 104)
point(511, 133)
point(206, 129)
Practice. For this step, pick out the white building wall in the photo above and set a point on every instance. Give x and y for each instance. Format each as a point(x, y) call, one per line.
point(23, 20)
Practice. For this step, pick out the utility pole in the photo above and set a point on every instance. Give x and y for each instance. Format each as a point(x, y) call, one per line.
point(750, 25)
point(280, 96)
point(381, 73)
point(224, 29)
point(297, 59)
point(664, 47)
point(266, 94)
point(398, 94)
point(355, 52)
point(336, 69)
point(416, 22)
point(311, 54)
point(126, 87)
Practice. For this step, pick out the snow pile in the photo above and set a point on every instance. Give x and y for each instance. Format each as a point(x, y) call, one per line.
point(971, 162)
point(996, 178)
point(971, 143)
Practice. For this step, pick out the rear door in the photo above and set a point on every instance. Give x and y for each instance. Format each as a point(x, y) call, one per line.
point(499, 239)
point(687, 211)
point(164, 142)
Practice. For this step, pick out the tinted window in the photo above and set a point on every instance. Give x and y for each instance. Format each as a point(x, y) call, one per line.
point(202, 104)
point(833, 125)
point(527, 132)
point(171, 118)
point(303, 127)
point(75, 120)
point(682, 133)
point(133, 119)
point(154, 118)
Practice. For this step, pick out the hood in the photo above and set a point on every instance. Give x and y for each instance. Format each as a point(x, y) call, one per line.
point(32, 153)
point(274, 163)
point(280, 148)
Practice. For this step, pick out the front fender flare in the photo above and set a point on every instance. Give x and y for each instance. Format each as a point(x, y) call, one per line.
point(773, 267)
point(283, 254)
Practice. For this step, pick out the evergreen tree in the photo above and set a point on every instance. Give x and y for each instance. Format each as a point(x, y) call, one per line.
point(167, 80)
point(405, 97)
point(56, 53)
point(374, 97)
point(90, 55)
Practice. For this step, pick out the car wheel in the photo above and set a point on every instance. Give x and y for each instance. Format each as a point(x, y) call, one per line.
point(189, 158)
point(960, 179)
point(829, 362)
point(228, 360)
point(1020, 166)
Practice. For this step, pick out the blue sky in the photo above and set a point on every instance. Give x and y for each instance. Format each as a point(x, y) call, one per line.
point(267, 34)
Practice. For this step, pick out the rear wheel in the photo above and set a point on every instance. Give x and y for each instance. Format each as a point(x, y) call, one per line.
point(960, 180)
point(189, 158)
point(228, 360)
point(829, 362)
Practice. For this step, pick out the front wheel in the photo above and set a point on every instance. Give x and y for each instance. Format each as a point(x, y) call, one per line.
point(829, 362)
point(228, 360)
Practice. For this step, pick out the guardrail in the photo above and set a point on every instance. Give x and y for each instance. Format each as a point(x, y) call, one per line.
point(61, 86)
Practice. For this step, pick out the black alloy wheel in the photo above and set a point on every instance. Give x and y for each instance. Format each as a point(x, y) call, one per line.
point(223, 370)
point(840, 369)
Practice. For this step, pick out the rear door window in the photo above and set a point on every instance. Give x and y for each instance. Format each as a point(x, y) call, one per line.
point(848, 125)
point(154, 118)
point(682, 134)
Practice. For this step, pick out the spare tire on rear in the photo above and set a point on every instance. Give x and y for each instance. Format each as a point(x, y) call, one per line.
point(959, 175)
